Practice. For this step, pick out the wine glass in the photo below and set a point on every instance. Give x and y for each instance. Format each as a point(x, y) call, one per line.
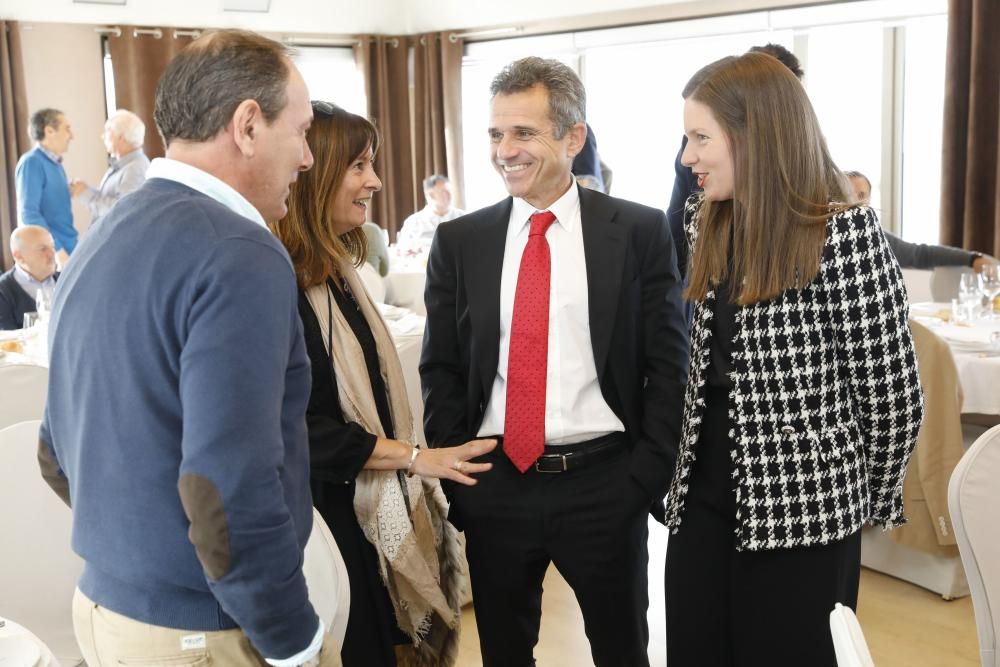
point(43, 304)
point(989, 284)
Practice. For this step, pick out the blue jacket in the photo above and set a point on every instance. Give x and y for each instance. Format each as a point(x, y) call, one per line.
point(176, 411)
point(43, 197)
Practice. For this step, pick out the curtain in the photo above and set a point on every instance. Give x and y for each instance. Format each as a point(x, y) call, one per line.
point(970, 181)
point(14, 139)
point(437, 110)
point(137, 61)
point(384, 64)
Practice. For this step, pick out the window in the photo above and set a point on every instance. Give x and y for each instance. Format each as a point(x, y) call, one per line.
point(332, 76)
point(874, 73)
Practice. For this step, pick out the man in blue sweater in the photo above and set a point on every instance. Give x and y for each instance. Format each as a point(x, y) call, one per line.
point(179, 381)
point(43, 193)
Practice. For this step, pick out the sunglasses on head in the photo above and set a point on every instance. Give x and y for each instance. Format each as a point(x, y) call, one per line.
point(325, 108)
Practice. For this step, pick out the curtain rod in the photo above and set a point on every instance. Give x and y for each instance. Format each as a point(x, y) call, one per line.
point(455, 36)
point(152, 32)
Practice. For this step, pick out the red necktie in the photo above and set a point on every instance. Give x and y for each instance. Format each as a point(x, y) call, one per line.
point(527, 359)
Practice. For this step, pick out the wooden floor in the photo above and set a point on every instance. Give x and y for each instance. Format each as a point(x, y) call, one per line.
point(905, 626)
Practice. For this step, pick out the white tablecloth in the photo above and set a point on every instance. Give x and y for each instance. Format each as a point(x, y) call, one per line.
point(978, 362)
point(407, 330)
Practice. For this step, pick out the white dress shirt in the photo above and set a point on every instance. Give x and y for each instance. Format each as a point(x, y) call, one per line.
point(419, 228)
point(575, 409)
point(205, 183)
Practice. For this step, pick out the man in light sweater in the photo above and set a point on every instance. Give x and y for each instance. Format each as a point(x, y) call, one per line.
point(179, 380)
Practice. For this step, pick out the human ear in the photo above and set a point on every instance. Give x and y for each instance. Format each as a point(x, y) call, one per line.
point(245, 122)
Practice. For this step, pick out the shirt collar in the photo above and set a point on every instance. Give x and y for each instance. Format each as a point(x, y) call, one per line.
point(52, 156)
point(24, 278)
point(566, 209)
point(205, 183)
point(131, 156)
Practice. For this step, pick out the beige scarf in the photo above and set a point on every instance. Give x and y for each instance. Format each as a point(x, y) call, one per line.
point(403, 517)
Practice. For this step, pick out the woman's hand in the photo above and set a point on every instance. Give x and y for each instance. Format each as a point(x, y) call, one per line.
point(453, 462)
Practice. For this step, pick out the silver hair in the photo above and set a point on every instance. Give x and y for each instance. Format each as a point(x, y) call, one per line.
point(128, 126)
point(567, 96)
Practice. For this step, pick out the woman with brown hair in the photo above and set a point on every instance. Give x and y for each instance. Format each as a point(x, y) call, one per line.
point(369, 480)
point(803, 401)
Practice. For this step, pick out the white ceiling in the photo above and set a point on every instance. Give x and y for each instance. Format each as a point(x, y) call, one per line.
point(346, 17)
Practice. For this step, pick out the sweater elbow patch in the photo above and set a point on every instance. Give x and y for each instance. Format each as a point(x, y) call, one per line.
point(208, 533)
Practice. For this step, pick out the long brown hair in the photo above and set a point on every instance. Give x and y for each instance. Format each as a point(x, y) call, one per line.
point(337, 138)
point(786, 185)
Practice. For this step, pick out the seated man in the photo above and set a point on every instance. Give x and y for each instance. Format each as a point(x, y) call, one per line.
point(123, 136)
point(917, 255)
point(34, 270)
point(419, 228)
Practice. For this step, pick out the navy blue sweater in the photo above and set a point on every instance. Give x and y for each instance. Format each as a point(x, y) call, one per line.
point(176, 354)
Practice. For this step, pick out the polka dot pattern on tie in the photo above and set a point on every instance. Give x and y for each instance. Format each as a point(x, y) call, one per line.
point(527, 366)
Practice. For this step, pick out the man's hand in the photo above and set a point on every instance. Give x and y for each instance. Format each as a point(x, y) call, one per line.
point(76, 186)
point(981, 262)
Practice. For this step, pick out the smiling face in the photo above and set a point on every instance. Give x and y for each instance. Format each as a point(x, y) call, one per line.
point(535, 165)
point(353, 198)
point(707, 152)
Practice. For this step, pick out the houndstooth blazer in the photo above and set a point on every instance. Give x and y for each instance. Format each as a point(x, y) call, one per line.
point(826, 401)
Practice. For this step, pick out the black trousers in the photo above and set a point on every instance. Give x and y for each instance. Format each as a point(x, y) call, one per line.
point(591, 523)
point(729, 608)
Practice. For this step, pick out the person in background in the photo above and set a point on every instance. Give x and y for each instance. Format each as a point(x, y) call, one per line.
point(175, 337)
point(797, 429)
point(123, 135)
point(587, 166)
point(34, 271)
point(43, 193)
point(916, 255)
point(400, 551)
point(685, 183)
point(418, 229)
point(378, 253)
point(553, 319)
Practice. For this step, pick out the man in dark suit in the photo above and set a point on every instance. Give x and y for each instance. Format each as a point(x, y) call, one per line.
point(554, 322)
point(34, 271)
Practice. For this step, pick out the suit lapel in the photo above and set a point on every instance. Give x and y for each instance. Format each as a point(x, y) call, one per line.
point(604, 245)
point(484, 266)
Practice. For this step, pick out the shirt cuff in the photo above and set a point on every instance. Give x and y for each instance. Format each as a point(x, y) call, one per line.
point(301, 657)
point(88, 194)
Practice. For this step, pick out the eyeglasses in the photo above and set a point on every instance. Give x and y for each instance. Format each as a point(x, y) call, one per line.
point(325, 108)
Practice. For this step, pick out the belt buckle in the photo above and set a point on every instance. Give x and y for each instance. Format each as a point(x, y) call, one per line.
point(564, 468)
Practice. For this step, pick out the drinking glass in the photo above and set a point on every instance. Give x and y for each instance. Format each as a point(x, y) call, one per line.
point(989, 284)
point(31, 320)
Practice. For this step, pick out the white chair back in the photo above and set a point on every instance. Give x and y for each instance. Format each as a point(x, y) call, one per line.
point(944, 282)
point(39, 569)
point(326, 577)
point(24, 390)
point(973, 499)
point(918, 285)
point(19, 646)
point(848, 640)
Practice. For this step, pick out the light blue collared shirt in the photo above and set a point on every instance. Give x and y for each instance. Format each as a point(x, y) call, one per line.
point(31, 286)
point(205, 183)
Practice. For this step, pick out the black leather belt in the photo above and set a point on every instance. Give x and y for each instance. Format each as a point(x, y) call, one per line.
point(562, 458)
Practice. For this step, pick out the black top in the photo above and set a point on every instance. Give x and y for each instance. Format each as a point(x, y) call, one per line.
point(723, 332)
point(338, 451)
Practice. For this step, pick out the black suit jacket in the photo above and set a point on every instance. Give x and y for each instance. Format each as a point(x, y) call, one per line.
point(14, 301)
point(636, 327)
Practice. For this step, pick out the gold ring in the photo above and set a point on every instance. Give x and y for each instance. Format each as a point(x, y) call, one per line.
point(457, 465)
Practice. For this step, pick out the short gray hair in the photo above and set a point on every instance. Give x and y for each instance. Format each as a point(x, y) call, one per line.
point(567, 96)
point(128, 126)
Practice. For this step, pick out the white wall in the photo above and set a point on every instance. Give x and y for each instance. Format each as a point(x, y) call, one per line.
point(63, 70)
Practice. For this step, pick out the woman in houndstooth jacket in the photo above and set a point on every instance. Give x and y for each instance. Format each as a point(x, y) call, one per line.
point(803, 402)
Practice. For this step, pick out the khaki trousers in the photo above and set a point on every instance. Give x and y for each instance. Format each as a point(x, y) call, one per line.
point(108, 639)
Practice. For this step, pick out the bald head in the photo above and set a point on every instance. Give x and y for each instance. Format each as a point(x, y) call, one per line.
point(34, 251)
